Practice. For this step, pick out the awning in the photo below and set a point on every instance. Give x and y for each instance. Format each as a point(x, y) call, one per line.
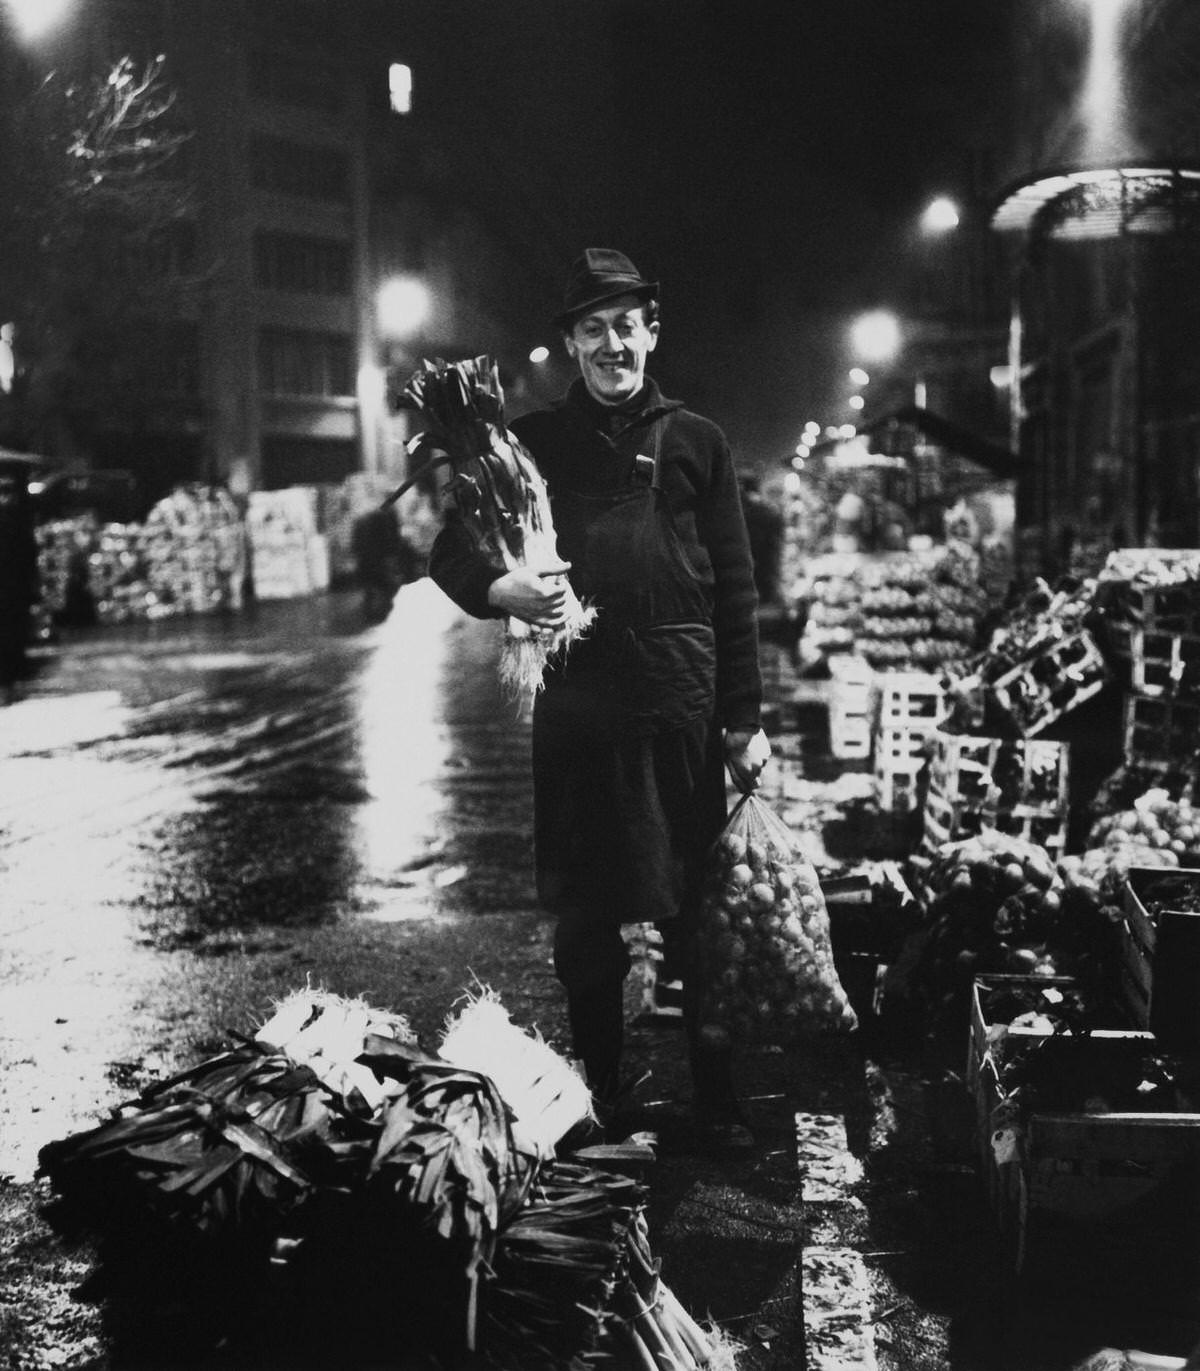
point(1000, 461)
point(1103, 202)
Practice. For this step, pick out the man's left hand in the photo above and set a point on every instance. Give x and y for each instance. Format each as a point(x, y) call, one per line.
point(746, 754)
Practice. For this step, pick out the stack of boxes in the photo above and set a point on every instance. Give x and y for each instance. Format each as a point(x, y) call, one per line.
point(850, 707)
point(910, 704)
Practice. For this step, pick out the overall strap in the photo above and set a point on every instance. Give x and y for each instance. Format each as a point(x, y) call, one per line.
point(648, 468)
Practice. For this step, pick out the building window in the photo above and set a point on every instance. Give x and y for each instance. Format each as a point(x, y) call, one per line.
point(303, 362)
point(400, 88)
point(291, 461)
point(288, 80)
point(311, 173)
point(302, 264)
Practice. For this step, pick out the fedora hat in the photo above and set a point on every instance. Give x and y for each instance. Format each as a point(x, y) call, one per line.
point(599, 275)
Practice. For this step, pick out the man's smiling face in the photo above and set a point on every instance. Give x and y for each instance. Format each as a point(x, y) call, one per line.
point(611, 344)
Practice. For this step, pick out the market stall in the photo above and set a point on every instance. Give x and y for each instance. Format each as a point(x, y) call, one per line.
point(900, 540)
point(1069, 966)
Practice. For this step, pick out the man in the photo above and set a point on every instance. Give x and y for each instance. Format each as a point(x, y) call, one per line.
point(633, 730)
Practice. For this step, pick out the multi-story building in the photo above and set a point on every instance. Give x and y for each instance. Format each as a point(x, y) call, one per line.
point(314, 184)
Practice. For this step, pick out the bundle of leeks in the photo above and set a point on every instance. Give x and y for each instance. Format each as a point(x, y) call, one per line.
point(222, 1149)
point(546, 1094)
point(498, 493)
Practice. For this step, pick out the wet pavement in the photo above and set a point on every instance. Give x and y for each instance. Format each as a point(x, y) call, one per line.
point(198, 817)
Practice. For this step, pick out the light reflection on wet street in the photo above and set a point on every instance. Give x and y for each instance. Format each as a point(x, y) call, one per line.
point(197, 817)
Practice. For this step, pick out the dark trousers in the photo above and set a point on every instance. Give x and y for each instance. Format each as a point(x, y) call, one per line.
point(591, 960)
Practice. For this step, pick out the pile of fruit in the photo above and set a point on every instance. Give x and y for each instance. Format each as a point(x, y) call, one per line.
point(997, 904)
point(1155, 822)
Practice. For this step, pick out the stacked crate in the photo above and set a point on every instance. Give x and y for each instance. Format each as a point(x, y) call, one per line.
point(1059, 677)
point(1016, 786)
point(909, 707)
point(850, 707)
point(1157, 629)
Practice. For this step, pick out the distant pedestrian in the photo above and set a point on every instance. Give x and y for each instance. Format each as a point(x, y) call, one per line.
point(633, 732)
point(384, 560)
point(765, 525)
point(18, 575)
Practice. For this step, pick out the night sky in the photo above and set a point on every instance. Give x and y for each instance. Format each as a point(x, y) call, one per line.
point(766, 160)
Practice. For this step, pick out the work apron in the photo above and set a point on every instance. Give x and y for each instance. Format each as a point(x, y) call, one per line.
point(628, 767)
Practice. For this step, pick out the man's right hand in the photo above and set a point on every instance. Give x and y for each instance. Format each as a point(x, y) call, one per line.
point(536, 597)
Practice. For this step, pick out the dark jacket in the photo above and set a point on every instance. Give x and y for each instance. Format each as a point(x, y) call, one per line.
point(588, 448)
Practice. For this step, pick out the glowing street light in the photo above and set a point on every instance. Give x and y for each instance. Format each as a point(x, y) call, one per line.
point(856, 402)
point(403, 304)
point(35, 18)
point(858, 376)
point(539, 355)
point(941, 215)
point(876, 336)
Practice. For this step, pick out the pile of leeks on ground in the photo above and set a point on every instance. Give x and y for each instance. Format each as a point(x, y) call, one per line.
point(331, 1152)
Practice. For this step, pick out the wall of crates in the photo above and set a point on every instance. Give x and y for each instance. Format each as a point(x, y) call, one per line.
point(198, 551)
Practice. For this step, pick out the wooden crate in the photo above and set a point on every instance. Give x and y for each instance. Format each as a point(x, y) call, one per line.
point(1081, 1199)
point(1036, 693)
point(908, 699)
point(1165, 609)
point(1160, 730)
point(851, 707)
point(1015, 786)
point(910, 704)
point(899, 755)
point(1164, 663)
point(990, 1046)
point(1135, 968)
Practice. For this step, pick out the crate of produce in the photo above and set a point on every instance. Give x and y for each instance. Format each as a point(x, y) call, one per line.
point(1010, 1016)
point(1161, 730)
point(1060, 677)
point(1091, 1156)
point(1016, 786)
point(1148, 895)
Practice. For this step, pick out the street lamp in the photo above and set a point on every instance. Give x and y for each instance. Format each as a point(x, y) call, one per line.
point(941, 215)
point(403, 304)
point(35, 18)
point(875, 336)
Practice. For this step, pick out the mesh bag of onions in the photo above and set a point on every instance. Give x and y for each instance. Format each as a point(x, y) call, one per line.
point(764, 957)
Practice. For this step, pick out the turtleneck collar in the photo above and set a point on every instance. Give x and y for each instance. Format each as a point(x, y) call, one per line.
point(612, 419)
